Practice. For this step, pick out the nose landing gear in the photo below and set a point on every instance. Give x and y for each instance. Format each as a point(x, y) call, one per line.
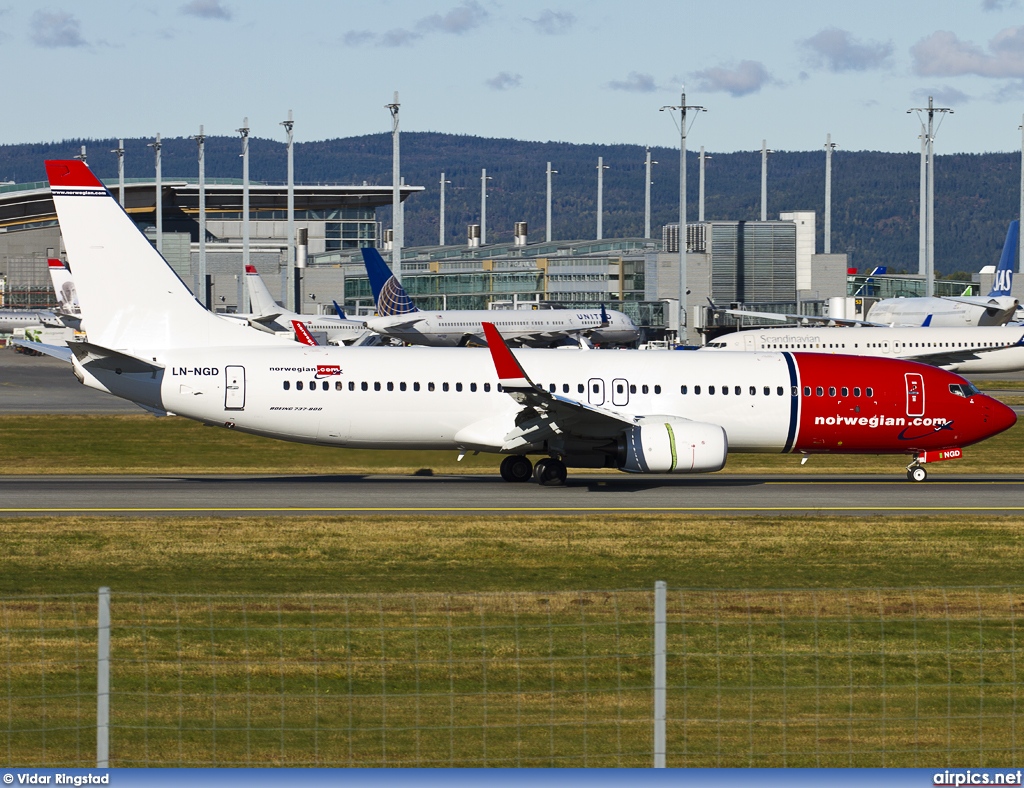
point(916, 473)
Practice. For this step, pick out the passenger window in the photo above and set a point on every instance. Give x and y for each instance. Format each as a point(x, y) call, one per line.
point(807, 391)
point(819, 391)
point(430, 386)
point(580, 388)
point(458, 387)
point(725, 390)
point(753, 390)
point(711, 390)
point(416, 386)
point(657, 389)
point(632, 388)
point(444, 386)
point(391, 386)
point(326, 386)
point(696, 390)
point(312, 385)
point(287, 385)
point(376, 385)
point(596, 388)
point(364, 386)
point(487, 386)
point(643, 389)
point(472, 386)
point(619, 388)
point(792, 392)
point(401, 386)
point(552, 387)
point(682, 389)
point(298, 385)
point(339, 386)
point(845, 391)
point(831, 391)
point(565, 388)
point(856, 391)
point(737, 391)
point(870, 392)
point(351, 385)
point(500, 388)
point(768, 390)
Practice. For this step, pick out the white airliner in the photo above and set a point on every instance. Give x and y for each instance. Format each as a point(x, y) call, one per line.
point(967, 351)
point(397, 317)
point(267, 313)
point(151, 342)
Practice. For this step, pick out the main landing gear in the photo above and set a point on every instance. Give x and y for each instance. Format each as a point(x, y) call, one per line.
point(916, 473)
point(547, 472)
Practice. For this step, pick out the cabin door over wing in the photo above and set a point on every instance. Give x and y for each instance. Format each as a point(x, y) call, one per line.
point(234, 388)
point(915, 394)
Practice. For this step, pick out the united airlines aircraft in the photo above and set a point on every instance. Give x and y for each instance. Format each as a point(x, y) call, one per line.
point(152, 343)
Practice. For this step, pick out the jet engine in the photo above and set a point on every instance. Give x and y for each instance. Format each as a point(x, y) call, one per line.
point(672, 445)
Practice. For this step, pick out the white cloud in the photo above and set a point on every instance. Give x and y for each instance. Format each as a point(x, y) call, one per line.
point(748, 76)
point(838, 51)
point(942, 54)
point(459, 20)
point(634, 83)
point(505, 81)
point(56, 29)
point(207, 9)
point(553, 23)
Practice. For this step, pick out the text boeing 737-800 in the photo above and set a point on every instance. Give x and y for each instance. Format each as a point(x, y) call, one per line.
point(639, 412)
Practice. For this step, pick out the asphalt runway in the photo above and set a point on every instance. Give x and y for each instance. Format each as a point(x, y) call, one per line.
point(41, 384)
point(455, 495)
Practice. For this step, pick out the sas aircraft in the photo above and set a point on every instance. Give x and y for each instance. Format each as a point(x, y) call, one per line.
point(151, 342)
point(398, 318)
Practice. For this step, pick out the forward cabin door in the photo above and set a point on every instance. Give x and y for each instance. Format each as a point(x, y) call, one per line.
point(915, 394)
point(234, 388)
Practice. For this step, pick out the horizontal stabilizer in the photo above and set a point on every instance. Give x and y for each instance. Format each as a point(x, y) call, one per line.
point(63, 352)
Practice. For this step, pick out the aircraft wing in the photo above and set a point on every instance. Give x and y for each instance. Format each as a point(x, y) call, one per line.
point(264, 319)
point(546, 414)
point(387, 325)
point(946, 356)
point(806, 319)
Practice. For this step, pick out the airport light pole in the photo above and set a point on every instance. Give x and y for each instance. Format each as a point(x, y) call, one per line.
point(119, 150)
point(82, 157)
point(764, 179)
point(483, 206)
point(700, 191)
point(928, 207)
point(829, 148)
point(647, 194)
point(922, 232)
point(547, 232)
point(682, 108)
point(397, 219)
point(1020, 240)
point(289, 273)
point(243, 300)
point(601, 167)
point(156, 145)
point(200, 139)
point(440, 241)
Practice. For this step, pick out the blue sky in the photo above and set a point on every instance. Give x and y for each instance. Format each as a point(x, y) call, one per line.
point(585, 72)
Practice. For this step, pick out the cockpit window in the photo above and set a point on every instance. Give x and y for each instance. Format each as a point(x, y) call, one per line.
point(963, 389)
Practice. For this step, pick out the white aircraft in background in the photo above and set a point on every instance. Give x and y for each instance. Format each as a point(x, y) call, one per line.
point(400, 319)
point(266, 313)
point(995, 309)
point(151, 342)
point(980, 349)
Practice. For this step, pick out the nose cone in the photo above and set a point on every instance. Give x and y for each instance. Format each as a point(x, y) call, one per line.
point(997, 417)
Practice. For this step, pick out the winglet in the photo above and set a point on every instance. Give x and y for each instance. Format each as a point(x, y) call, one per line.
point(511, 375)
point(71, 174)
point(302, 335)
point(339, 310)
point(250, 269)
point(54, 263)
point(927, 322)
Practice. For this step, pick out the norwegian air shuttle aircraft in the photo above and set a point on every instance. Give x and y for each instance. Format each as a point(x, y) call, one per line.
point(151, 342)
point(398, 317)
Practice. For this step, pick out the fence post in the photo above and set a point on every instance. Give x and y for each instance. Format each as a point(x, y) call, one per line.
point(660, 677)
point(103, 680)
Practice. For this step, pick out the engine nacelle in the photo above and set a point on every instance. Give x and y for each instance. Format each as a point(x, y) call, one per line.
point(673, 445)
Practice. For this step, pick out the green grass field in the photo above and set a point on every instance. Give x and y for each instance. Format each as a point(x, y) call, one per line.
point(438, 640)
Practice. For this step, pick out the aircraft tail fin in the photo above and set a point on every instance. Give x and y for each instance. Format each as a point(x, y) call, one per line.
point(262, 301)
point(132, 300)
point(388, 294)
point(339, 310)
point(1004, 271)
point(927, 322)
point(302, 335)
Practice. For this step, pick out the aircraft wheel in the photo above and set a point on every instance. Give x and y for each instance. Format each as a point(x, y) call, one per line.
point(917, 474)
point(549, 472)
point(516, 468)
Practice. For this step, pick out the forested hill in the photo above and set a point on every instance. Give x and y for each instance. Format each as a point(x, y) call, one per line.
point(874, 210)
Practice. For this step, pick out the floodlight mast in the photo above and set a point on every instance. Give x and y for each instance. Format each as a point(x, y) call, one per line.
point(1020, 249)
point(441, 230)
point(829, 148)
point(647, 194)
point(203, 292)
point(601, 167)
point(397, 219)
point(289, 267)
point(547, 231)
point(484, 177)
point(682, 107)
point(156, 145)
point(243, 299)
point(928, 206)
point(119, 150)
point(765, 150)
point(700, 191)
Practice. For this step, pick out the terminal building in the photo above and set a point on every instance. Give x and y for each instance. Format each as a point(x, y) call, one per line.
point(763, 266)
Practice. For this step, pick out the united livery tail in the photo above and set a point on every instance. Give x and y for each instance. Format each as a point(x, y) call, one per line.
point(388, 293)
point(1004, 271)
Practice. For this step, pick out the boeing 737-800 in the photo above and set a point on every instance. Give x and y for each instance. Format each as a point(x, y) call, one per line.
point(151, 342)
